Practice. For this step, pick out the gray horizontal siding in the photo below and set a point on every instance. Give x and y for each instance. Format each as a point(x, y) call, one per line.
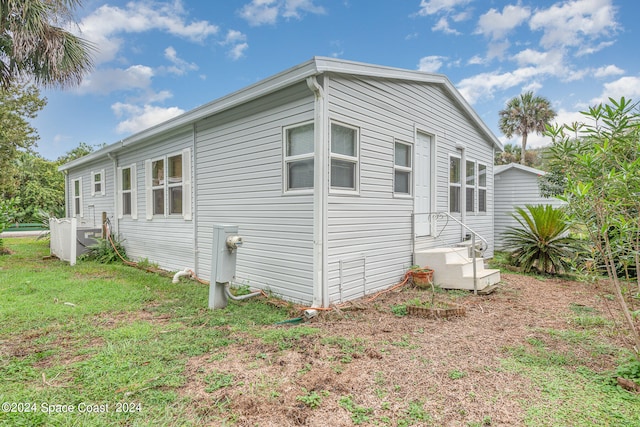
point(167, 241)
point(239, 182)
point(374, 224)
point(515, 188)
point(93, 206)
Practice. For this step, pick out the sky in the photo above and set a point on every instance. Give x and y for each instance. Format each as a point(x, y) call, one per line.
point(157, 59)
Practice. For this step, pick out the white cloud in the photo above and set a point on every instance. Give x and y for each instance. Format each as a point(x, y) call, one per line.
point(574, 23)
point(103, 25)
point(261, 12)
point(628, 86)
point(484, 85)
point(237, 44)
point(476, 60)
point(609, 70)
point(140, 118)
point(431, 7)
point(110, 80)
point(238, 50)
point(550, 62)
point(496, 25)
point(180, 66)
point(443, 25)
point(430, 64)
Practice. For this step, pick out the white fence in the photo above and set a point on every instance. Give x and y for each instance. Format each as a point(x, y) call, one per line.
point(63, 238)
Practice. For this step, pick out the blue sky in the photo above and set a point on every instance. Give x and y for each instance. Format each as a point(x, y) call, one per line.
point(158, 59)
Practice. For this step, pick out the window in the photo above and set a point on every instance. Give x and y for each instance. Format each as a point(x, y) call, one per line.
point(482, 188)
point(344, 157)
point(298, 157)
point(126, 191)
point(127, 200)
point(402, 168)
point(77, 197)
point(168, 185)
point(97, 183)
point(470, 187)
point(157, 186)
point(175, 184)
point(454, 184)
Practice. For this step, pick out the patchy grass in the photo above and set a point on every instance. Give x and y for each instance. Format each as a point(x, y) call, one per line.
point(124, 347)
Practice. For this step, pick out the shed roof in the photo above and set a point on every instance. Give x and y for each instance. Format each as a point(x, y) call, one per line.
point(313, 67)
point(503, 168)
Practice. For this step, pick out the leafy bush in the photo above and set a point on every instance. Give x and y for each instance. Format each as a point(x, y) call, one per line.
point(543, 241)
point(103, 251)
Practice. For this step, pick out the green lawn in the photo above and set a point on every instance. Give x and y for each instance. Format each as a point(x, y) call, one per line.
point(88, 337)
point(119, 346)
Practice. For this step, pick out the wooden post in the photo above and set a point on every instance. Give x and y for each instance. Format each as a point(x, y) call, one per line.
point(104, 225)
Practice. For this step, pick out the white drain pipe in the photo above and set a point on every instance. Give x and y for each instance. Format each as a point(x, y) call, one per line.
point(185, 272)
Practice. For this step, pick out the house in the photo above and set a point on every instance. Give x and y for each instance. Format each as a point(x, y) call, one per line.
point(330, 169)
point(516, 185)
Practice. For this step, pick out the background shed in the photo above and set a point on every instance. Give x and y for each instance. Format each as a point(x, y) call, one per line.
point(515, 186)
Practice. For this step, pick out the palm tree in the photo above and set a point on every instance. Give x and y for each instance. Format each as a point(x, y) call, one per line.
point(542, 239)
point(523, 115)
point(34, 44)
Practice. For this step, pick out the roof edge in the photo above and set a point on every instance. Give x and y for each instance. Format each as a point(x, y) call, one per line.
point(503, 168)
point(317, 65)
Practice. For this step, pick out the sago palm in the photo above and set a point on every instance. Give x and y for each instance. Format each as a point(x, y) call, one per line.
point(35, 44)
point(523, 115)
point(542, 241)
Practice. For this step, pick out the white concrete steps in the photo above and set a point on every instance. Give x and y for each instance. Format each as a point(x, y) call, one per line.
point(453, 269)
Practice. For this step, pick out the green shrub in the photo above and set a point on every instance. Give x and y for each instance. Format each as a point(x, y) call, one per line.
point(542, 242)
point(103, 251)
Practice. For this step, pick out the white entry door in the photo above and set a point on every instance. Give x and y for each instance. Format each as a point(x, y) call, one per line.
point(422, 195)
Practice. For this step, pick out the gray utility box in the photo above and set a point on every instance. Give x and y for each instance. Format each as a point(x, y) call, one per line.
point(223, 262)
point(86, 237)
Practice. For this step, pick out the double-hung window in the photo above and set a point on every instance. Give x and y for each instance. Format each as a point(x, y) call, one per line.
point(298, 157)
point(402, 168)
point(168, 185)
point(344, 157)
point(174, 184)
point(77, 197)
point(97, 183)
point(455, 181)
point(158, 186)
point(482, 188)
point(470, 187)
point(127, 192)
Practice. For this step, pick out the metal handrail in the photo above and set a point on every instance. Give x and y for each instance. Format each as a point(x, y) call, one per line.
point(435, 216)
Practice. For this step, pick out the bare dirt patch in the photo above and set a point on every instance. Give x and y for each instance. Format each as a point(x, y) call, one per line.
point(371, 366)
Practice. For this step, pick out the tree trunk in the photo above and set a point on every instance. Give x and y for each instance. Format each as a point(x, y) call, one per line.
point(611, 269)
point(523, 154)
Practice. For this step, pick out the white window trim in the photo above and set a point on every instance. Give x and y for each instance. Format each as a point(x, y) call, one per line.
point(186, 213)
point(79, 197)
point(403, 169)
point(133, 191)
point(479, 187)
point(351, 159)
point(101, 182)
point(289, 159)
point(450, 184)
